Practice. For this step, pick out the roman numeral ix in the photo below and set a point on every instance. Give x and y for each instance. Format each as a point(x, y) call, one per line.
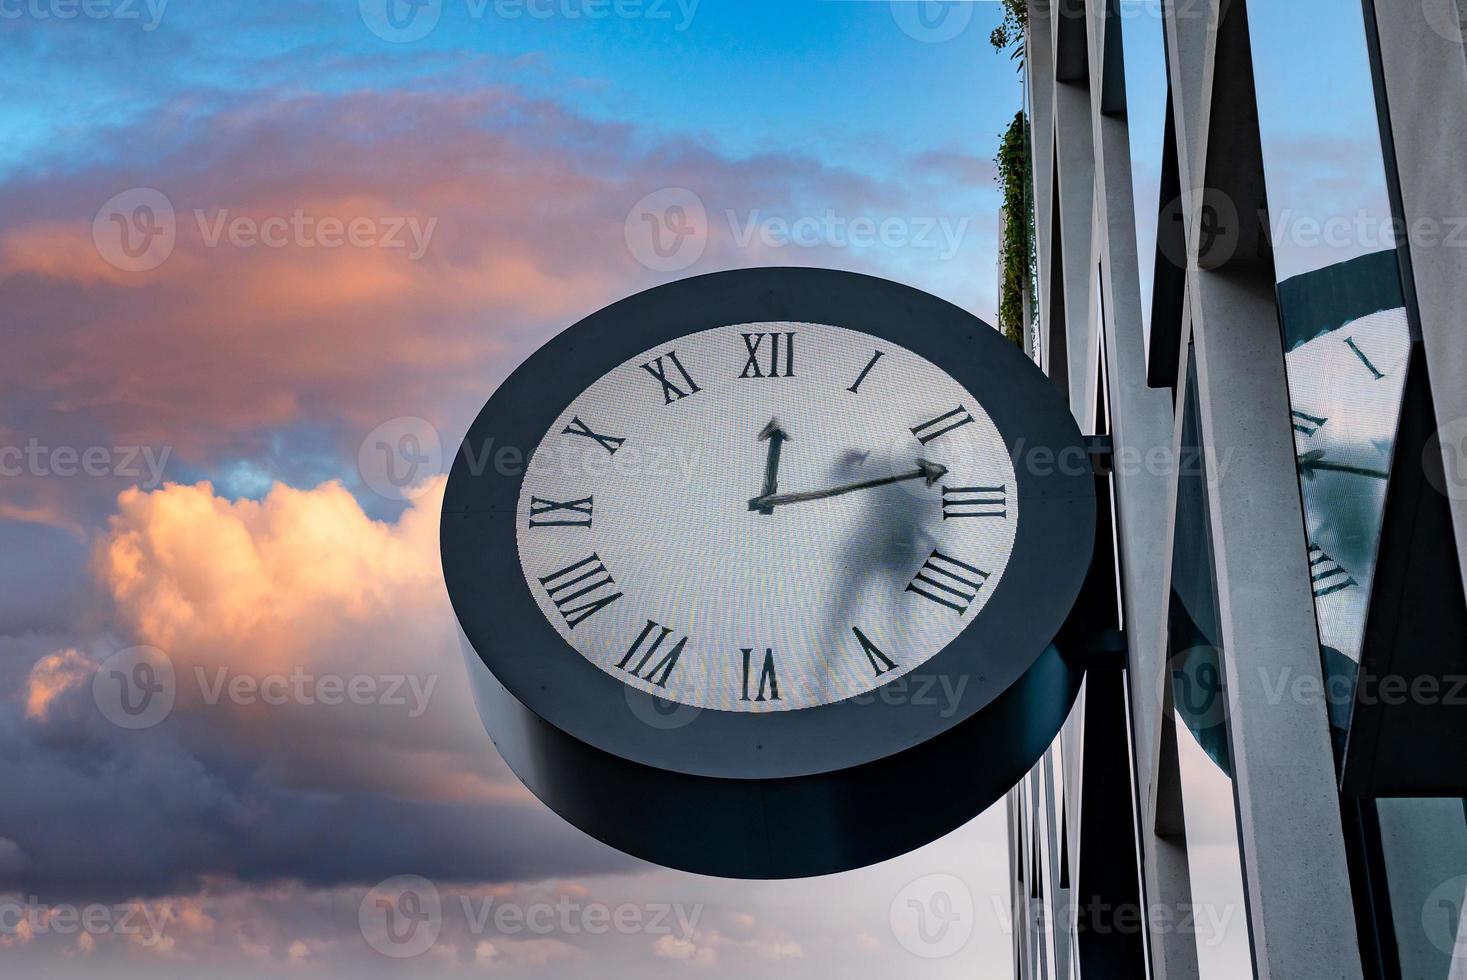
point(768, 689)
point(571, 513)
point(571, 589)
point(753, 341)
point(670, 390)
point(665, 665)
point(941, 425)
point(948, 582)
point(975, 502)
point(578, 428)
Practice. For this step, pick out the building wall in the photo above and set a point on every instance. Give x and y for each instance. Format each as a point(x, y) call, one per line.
point(1279, 364)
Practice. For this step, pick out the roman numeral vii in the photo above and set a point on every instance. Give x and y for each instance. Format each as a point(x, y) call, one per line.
point(649, 650)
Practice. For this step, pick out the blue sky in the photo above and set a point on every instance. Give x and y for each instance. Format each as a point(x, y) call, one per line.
point(255, 373)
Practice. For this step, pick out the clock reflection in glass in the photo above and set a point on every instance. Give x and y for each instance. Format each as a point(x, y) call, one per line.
point(767, 516)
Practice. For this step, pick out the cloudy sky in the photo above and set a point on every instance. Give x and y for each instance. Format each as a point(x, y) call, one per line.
point(237, 239)
point(198, 347)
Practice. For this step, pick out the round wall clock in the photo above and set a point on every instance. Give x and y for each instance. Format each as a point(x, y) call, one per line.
point(762, 570)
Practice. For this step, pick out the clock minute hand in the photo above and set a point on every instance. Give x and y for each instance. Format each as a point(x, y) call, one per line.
point(931, 472)
point(776, 437)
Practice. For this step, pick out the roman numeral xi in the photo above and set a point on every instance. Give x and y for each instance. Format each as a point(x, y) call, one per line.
point(948, 582)
point(573, 589)
point(671, 391)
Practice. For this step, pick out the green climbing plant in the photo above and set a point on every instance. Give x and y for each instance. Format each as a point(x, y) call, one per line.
point(1016, 257)
point(1011, 32)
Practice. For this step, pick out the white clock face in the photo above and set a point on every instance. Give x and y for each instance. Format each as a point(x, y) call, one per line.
point(657, 545)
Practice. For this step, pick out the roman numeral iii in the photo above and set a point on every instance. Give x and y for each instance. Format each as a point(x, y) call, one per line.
point(578, 428)
point(671, 391)
point(553, 513)
point(879, 661)
point(572, 588)
point(754, 341)
point(948, 582)
point(649, 650)
point(942, 425)
point(975, 502)
point(768, 686)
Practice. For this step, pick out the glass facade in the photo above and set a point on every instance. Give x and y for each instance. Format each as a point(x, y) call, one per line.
point(1199, 699)
point(1333, 258)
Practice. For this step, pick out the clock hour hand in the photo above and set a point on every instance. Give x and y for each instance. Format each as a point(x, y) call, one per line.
point(930, 472)
point(776, 437)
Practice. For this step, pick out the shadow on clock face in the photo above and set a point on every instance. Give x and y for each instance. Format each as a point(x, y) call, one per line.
point(896, 534)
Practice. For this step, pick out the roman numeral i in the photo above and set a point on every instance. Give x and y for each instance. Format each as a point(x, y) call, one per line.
point(571, 589)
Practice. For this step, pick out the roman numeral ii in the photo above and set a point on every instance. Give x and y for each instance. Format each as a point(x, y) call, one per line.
point(942, 425)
